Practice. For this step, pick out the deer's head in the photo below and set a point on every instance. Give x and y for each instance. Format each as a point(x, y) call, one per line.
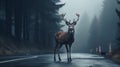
point(70, 24)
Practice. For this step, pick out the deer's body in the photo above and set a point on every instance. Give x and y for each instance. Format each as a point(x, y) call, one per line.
point(65, 38)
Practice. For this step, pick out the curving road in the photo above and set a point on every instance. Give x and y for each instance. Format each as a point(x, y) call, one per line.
point(46, 60)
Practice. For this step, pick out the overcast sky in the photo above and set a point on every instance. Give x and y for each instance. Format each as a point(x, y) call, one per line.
point(91, 7)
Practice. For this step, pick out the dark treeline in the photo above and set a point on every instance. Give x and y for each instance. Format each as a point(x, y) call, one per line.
point(118, 14)
point(104, 30)
point(33, 21)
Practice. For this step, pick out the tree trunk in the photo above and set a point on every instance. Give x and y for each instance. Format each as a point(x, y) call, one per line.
point(8, 23)
point(18, 20)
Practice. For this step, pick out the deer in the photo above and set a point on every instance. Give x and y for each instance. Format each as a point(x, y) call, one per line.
point(65, 38)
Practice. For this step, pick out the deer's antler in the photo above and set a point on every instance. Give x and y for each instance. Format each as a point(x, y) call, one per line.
point(78, 15)
point(118, 1)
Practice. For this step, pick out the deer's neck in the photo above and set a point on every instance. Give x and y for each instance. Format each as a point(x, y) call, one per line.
point(71, 37)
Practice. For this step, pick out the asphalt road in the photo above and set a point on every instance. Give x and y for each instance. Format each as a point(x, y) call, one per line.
point(46, 60)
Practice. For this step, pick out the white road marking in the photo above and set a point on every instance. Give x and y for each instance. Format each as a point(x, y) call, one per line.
point(6, 61)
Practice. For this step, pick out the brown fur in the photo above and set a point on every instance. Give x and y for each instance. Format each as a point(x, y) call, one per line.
point(61, 36)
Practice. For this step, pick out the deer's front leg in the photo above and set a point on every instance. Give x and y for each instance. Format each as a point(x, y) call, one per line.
point(70, 51)
point(67, 52)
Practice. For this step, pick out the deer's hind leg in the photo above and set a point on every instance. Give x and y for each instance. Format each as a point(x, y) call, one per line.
point(60, 45)
point(55, 50)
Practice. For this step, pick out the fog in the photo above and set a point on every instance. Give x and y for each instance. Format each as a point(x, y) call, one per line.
point(88, 10)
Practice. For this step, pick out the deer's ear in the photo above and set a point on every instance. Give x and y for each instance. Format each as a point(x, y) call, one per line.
point(74, 23)
point(67, 23)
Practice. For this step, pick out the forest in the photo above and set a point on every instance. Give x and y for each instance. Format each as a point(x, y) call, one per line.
point(28, 25)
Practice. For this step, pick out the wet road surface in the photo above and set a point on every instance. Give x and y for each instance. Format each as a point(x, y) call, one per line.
point(46, 60)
